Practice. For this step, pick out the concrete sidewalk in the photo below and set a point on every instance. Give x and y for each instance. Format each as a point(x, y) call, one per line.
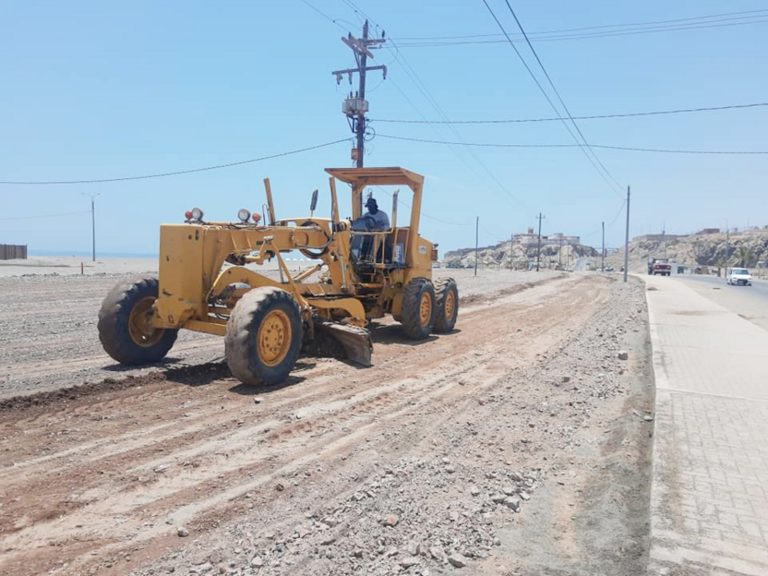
point(709, 497)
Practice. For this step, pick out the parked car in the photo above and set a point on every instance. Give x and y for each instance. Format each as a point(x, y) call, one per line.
point(738, 277)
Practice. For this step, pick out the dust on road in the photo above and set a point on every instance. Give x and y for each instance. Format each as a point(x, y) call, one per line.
point(473, 449)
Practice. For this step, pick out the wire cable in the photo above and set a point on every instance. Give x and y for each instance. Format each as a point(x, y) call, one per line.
point(601, 146)
point(335, 21)
point(423, 214)
point(590, 117)
point(174, 173)
point(720, 16)
point(601, 31)
point(422, 88)
point(557, 93)
point(614, 188)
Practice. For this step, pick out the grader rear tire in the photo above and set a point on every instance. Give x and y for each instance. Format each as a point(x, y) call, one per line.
point(263, 337)
point(418, 312)
point(447, 305)
point(125, 324)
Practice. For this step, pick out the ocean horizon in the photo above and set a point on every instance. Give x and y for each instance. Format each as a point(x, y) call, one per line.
point(42, 252)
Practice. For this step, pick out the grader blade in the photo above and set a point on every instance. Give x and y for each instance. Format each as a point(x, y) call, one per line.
point(355, 343)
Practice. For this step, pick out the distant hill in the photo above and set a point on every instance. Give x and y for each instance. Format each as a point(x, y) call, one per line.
point(708, 248)
point(556, 252)
point(711, 248)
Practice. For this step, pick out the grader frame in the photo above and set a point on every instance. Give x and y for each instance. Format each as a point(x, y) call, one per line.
point(207, 283)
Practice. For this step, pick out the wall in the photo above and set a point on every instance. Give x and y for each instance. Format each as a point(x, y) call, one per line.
point(13, 252)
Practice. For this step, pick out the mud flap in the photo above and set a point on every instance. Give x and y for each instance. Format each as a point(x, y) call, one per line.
point(353, 343)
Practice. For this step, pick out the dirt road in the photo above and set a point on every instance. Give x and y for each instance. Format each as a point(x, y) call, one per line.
point(519, 442)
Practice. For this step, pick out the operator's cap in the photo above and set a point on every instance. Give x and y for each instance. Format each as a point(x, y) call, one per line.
point(371, 202)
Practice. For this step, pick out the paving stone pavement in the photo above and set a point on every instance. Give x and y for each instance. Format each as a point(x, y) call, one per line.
point(709, 495)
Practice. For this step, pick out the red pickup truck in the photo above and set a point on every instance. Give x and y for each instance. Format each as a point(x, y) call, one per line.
point(660, 266)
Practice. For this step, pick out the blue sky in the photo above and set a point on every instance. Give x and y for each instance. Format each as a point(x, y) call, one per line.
point(96, 90)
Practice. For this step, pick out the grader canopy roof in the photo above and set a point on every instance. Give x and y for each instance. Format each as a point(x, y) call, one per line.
point(384, 176)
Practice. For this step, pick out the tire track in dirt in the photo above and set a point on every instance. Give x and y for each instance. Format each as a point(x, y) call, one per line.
point(212, 447)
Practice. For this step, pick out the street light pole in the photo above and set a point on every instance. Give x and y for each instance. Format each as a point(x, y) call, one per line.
point(93, 223)
point(602, 251)
point(93, 228)
point(477, 239)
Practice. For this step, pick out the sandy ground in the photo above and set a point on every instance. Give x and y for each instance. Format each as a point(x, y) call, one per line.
point(517, 444)
point(72, 266)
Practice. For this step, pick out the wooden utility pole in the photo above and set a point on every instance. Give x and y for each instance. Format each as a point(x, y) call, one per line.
point(538, 244)
point(356, 106)
point(477, 237)
point(626, 241)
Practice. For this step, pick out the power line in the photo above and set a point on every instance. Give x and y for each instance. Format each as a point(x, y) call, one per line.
point(552, 104)
point(601, 31)
point(601, 146)
point(356, 106)
point(323, 14)
point(613, 220)
point(557, 92)
point(444, 44)
point(431, 100)
point(175, 173)
point(590, 117)
point(674, 151)
point(423, 214)
point(720, 16)
point(422, 88)
point(362, 16)
point(618, 213)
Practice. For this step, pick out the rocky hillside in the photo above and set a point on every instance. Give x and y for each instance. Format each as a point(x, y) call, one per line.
point(714, 249)
point(702, 250)
point(517, 256)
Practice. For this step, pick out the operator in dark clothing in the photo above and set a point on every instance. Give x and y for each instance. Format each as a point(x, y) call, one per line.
point(379, 219)
point(374, 220)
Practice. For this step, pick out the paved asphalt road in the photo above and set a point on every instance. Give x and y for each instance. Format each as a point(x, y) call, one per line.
point(749, 302)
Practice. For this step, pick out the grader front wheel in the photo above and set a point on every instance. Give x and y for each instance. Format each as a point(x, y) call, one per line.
point(418, 311)
point(125, 324)
point(263, 337)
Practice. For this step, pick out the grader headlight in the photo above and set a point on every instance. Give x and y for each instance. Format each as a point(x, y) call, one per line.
point(243, 215)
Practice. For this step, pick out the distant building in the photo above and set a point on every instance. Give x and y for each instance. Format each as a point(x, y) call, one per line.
point(708, 231)
point(660, 237)
point(13, 252)
point(556, 239)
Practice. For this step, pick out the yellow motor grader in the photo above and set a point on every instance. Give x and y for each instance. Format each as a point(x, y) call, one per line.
point(209, 282)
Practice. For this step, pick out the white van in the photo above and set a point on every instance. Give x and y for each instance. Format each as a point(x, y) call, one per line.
point(738, 277)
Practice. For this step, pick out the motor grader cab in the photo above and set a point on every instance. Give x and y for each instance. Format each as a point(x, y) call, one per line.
point(210, 282)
